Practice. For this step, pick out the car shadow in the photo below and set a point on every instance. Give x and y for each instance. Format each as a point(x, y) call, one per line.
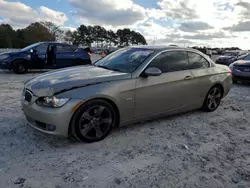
point(242, 84)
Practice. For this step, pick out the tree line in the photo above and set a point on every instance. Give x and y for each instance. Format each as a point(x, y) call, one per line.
point(35, 32)
point(84, 35)
point(99, 36)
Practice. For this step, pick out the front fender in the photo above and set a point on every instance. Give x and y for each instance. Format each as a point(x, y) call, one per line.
point(121, 93)
point(24, 57)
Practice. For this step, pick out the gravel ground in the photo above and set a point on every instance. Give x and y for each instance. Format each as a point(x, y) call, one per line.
point(194, 149)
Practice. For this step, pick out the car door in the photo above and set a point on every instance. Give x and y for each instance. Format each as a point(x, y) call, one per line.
point(166, 92)
point(65, 56)
point(200, 68)
point(39, 56)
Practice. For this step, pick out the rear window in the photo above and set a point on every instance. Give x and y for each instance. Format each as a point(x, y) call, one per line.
point(196, 61)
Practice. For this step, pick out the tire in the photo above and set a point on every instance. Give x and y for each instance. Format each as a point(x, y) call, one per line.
point(213, 99)
point(93, 121)
point(19, 67)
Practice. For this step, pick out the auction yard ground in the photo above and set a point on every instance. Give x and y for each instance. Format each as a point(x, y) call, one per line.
point(194, 149)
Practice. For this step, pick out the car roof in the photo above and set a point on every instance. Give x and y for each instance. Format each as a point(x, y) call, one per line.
point(54, 42)
point(164, 47)
point(232, 51)
point(156, 47)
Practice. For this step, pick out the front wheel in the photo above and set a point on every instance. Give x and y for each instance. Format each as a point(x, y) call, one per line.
point(19, 67)
point(213, 99)
point(93, 121)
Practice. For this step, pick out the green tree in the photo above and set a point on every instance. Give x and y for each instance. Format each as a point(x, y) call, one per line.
point(111, 37)
point(68, 37)
point(8, 36)
point(35, 32)
point(55, 32)
point(124, 37)
point(84, 35)
point(5, 40)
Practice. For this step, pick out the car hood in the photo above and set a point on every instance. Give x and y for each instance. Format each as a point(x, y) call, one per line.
point(55, 82)
point(10, 53)
point(242, 63)
point(225, 57)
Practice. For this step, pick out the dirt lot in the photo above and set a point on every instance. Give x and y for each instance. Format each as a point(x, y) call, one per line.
point(194, 149)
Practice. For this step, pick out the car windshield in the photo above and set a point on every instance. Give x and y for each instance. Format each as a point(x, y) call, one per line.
point(124, 60)
point(230, 53)
point(247, 57)
point(30, 47)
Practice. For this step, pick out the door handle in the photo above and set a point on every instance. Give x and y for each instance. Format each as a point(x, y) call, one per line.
point(188, 78)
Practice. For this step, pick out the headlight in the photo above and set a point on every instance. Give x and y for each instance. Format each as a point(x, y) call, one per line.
point(4, 56)
point(52, 102)
point(231, 66)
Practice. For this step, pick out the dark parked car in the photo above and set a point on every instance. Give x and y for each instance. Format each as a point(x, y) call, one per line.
point(241, 69)
point(44, 55)
point(230, 56)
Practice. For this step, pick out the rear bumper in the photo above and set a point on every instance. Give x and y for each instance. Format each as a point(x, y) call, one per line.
point(241, 78)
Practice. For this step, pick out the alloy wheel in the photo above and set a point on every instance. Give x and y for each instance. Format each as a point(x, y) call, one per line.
point(214, 98)
point(95, 122)
point(21, 68)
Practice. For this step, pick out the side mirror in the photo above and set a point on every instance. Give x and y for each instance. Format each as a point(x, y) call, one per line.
point(31, 51)
point(152, 71)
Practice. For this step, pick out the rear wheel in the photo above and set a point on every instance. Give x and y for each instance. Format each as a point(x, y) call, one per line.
point(213, 99)
point(19, 67)
point(93, 121)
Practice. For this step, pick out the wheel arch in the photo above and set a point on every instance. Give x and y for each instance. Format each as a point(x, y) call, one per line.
point(20, 59)
point(111, 102)
point(221, 86)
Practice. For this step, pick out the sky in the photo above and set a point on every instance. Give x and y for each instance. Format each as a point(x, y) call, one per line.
point(214, 23)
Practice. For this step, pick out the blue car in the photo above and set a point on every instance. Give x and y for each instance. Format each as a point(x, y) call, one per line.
point(44, 55)
point(230, 56)
point(241, 69)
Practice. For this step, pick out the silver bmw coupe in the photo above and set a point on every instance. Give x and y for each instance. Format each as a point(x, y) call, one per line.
point(130, 85)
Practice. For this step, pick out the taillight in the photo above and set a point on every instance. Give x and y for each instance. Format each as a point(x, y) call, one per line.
point(89, 54)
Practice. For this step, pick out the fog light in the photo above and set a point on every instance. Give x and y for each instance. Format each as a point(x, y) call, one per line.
point(50, 127)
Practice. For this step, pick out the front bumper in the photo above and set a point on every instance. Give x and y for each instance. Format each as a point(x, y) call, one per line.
point(4, 65)
point(240, 76)
point(54, 121)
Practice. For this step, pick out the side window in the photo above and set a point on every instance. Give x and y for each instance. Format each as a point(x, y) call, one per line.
point(66, 48)
point(196, 61)
point(42, 48)
point(171, 61)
